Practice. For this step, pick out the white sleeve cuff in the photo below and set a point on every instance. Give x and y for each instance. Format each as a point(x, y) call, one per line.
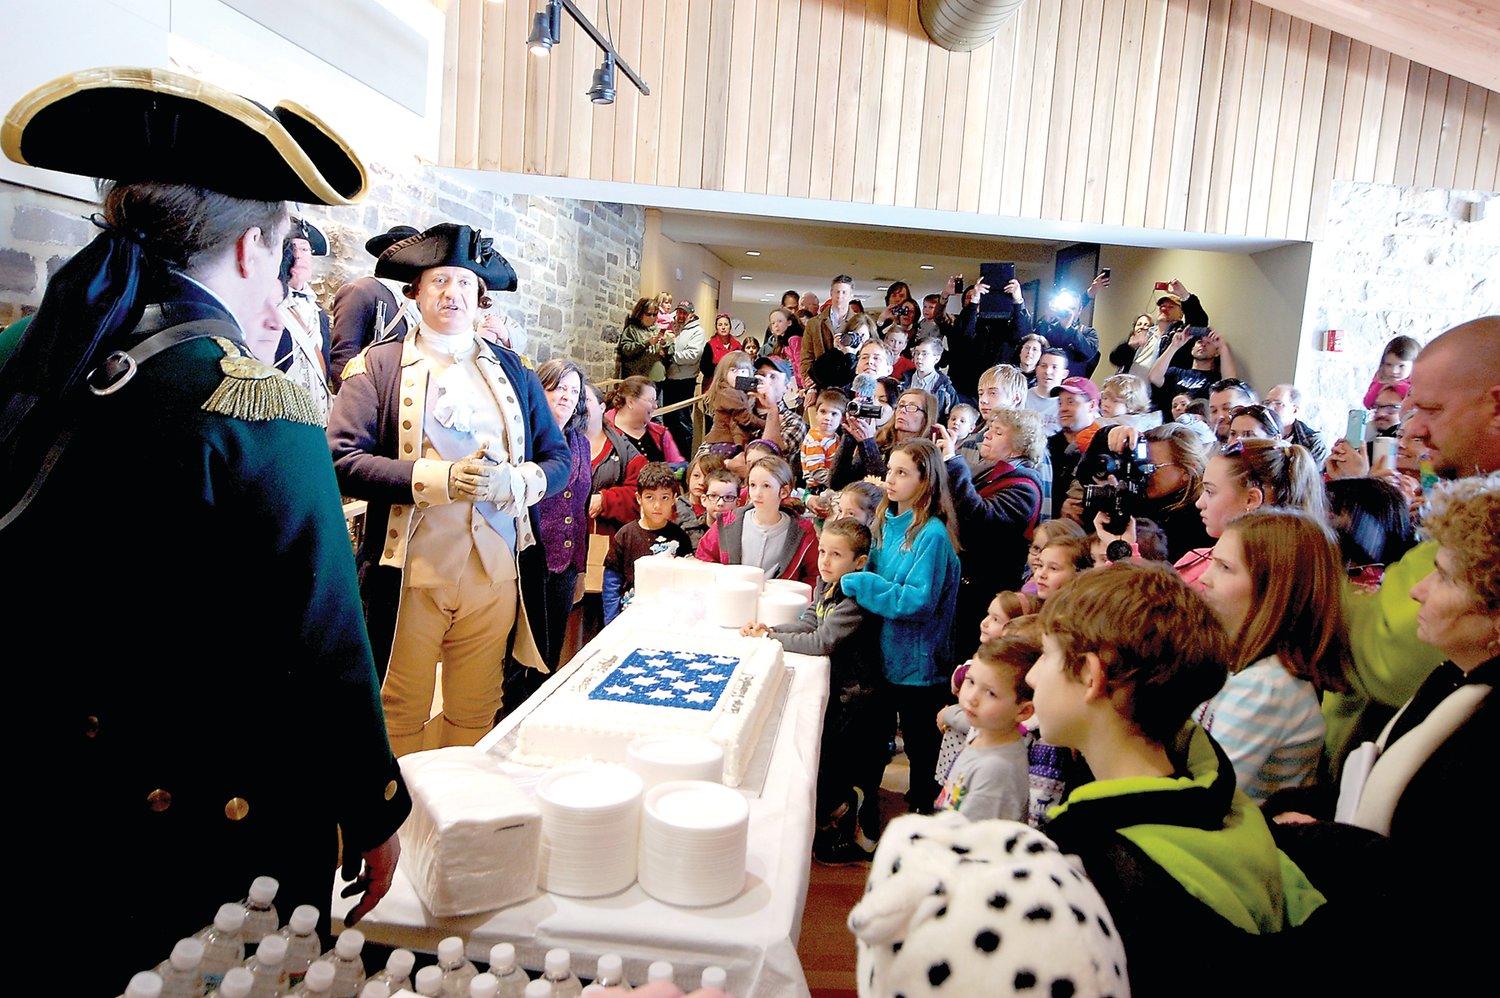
point(429, 482)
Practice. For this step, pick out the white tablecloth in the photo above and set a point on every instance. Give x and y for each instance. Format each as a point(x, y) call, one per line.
point(753, 937)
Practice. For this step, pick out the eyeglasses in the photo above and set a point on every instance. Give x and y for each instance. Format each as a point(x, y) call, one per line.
point(1388, 407)
point(708, 498)
point(910, 407)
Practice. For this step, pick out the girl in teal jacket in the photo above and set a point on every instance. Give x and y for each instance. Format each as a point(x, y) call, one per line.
point(912, 584)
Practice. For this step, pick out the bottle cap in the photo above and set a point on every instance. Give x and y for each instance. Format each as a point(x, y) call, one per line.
point(430, 980)
point(272, 950)
point(559, 962)
point(502, 958)
point(484, 986)
point(611, 966)
point(450, 951)
point(400, 962)
point(661, 970)
point(263, 889)
point(319, 977)
point(187, 954)
point(230, 917)
point(715, 977)
point(539, 988)
point(376, 989)
point(237, 983)
point(304, 919)
point(146, 984)
point(349, 943)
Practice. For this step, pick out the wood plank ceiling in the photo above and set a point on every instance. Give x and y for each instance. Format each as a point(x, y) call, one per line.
point(1222, 116)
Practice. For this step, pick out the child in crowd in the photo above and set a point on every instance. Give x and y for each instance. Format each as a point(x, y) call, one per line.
point(1124, 401)
point(912, 582)
point(692, 512)
point(1128, 652)
point(858, 501)
point(653, 533)
point(1151, 541)
point(720, 495)
point(1395, 368)
point(962, 419)
point(1005, 607)
point(1062, 559)
point(762, 534)
point(989, 778)
point(836, 626)
point(1046, 532)
point(925, 375)
point(820, 447)
point(735, 422)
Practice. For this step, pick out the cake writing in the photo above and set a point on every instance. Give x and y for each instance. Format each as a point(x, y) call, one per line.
point(690, 680)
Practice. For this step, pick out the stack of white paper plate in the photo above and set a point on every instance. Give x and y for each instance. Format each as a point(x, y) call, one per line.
point(591, 817)
point(792, 586)
point(664, 758)
point(693, 839)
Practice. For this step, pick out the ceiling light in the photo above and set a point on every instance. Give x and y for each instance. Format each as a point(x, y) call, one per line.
point(928, 266)
point(603, 89)
point(746, 277)
point(752, 252)
point(546, 28)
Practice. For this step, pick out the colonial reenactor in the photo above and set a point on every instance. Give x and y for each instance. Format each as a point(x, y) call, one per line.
point(302, 351)
point(206, 708)
point(370, 309)
point(451, 441)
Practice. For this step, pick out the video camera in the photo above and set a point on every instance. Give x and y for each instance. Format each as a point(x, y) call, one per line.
point(1121, 499)
point(864, 408)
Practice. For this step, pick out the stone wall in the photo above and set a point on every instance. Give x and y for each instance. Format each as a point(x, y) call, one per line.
point(1393, 261)
point(578, 262)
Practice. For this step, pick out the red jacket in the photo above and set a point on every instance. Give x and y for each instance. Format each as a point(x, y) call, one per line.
point(798, 558)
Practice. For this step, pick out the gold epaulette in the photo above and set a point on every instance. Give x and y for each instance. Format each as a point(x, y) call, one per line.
point(255, 391)
point(355, 366)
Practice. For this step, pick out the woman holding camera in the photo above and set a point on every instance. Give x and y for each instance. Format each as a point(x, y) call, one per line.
point(1171, 490)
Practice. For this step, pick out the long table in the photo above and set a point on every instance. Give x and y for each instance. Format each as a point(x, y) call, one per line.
point(753, 937)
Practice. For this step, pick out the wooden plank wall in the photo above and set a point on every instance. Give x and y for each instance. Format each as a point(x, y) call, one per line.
point(1221, 116)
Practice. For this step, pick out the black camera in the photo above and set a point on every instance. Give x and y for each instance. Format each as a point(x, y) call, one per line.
point(1121, 499)
point(902, 310)
point(850, 339)
point(861, 408)
point(746, 382)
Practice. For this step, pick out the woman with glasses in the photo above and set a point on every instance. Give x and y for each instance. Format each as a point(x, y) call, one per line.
point(916, 413)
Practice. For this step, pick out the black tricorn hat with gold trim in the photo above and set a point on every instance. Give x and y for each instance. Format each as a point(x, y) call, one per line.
point(133, 124)
point(447, 245)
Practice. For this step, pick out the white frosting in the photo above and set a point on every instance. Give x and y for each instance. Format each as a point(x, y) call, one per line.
point(570, 726)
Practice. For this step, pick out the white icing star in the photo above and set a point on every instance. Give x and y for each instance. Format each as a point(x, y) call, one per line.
point(658, 663)
point(712, 677)
point(618, 691)
point(661, 694)
point(699, 666)
point(698, 696)
point(670, 674)
point(644, 680)
point(632, 670)
point(684, 685)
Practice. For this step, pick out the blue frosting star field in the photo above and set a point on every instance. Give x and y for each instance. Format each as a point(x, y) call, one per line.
point(691, 680)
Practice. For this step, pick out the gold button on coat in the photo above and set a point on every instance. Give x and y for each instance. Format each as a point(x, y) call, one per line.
point(236, 809)
point(158, 800)
point(390, 790)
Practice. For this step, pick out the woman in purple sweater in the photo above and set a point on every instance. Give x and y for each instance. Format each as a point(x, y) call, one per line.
point(564, 515)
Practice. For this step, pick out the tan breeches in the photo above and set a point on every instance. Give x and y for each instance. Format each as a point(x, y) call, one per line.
point(465, 626)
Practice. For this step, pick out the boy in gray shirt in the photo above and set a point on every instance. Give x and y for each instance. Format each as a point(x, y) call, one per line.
point(989, 778)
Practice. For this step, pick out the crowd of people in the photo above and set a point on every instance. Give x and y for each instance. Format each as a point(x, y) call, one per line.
point(1243, 676)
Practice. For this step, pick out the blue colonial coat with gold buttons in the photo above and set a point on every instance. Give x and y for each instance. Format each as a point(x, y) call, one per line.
point(197, 698)
point(375, 433)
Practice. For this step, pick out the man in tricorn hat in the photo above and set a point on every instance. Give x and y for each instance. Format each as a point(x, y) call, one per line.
point(370, 309)
point(451, 441)
point(205, 710)
point(302, 350)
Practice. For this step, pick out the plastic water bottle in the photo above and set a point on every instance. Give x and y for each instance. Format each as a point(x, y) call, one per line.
point(146, 984)
point(430, 982)
point(375, 989)
point(716, 977)
point(484, 985)
point(611, 972)
point(348, 968)
point(592, 989)
point(261, 919)
point(661, 970)
point(457, 970)
point(237, 983)
point(222, 947)
point(318, 982)
point(269, 967)
point(181, 973)
point(541, 988)
point(512, 978)
point(560, 975)
point(302, 945)
point(397, 973)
